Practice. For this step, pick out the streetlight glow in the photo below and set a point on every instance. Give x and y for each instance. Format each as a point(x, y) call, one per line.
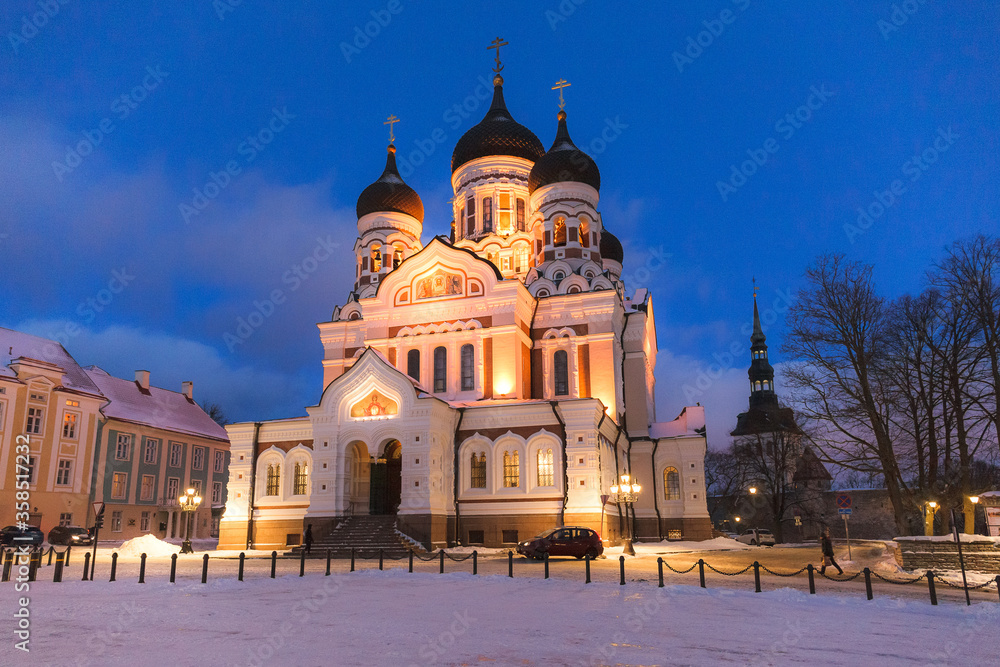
point(932, 504)
point(753, 490)
point(974, 500)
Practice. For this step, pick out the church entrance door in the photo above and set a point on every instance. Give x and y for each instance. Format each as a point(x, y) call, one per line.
point(386, 480)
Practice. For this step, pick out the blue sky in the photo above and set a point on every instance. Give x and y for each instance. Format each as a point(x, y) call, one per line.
point(821, 107)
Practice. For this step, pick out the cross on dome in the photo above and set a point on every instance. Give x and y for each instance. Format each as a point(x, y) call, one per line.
point(560, 84)
point(390, 121)
point(496, 44)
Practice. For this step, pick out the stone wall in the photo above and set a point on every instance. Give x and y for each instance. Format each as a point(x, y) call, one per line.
point(917, 554)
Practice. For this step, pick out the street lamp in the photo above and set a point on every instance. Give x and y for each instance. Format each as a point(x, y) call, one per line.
point(929, 511)
point(627, 493)
point(970, 515)
point(189, 503)
point(752, 490)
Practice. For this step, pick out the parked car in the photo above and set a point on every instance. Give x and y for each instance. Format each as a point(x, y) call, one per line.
point(563, 541)
point(70, 536)
point(757, 537)
point(12, 536)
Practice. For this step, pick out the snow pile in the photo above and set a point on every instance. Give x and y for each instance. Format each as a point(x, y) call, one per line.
point(149, 545)
point(949, 538)
point(668, 547)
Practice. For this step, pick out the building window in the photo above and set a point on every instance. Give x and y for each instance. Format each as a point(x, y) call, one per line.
point(509, 536)
point(66, 519)
point(32, 467)
point(63, 472)
point(479, 471)
point(521, 257)
point(176, 452)
point(2, 405)
point(148, 487)
point(220, 461)
point(35, 417)
point(144, 522)
point(149, 453)
point(477, 537)
point(546, 476)
point(585, 232)
point(299, 480)
point(397, 258)
point(440, 369)
point(487, 214)
point(273, 476)
point(196, 485)
point(520, 215)
point(468, 371)
point(38, 397)
point(123, 447)
point(511, 469)
point(116, 522)
point(505, 223)
point(173, 489)
point(561, 372)
point(559, 233)
point(216, 493)
point(376, 254)
point(470, 216)
point(671, 484)
point(198, 458)
point(413, 364)
point(119, 484)
point(69, 425)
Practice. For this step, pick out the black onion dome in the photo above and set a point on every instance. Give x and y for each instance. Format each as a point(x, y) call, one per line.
point(564, 162)
point(611, 247)
point(390, 193)
point(496, 134)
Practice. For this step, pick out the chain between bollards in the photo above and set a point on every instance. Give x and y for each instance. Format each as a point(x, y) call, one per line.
point(659, 569)
point(142, 567)
point(173, 568)
point(621, 567)
point(114, 565)
point(701, 571)
point(243, 558)
point(812, 579)
point(756, 576)
point(930, 587)
point(868, 583)
point(274, 563)
point(86, 569)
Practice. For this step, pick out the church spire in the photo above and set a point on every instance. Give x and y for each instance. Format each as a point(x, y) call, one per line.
point(761, 373)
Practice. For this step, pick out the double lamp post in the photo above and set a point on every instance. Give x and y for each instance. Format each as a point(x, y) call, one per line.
point(189, 503)
point(627, 492)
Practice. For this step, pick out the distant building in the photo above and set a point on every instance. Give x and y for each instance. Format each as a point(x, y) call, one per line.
point(50, 403)
point(152, 445)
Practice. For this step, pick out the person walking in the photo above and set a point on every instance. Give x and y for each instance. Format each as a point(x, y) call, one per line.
point(307, 540)
point(826, 545)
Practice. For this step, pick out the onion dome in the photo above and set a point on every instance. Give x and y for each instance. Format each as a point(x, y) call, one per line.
point(496, 134)
point(564, 162)
point(390, 193)
point(611, 247)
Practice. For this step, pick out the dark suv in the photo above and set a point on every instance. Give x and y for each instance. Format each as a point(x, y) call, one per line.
point(70, 535)
point(12, 536)
point(564, 541)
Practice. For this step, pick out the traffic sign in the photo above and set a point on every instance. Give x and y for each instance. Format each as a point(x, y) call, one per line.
point(845, 511)
point(98, 508)
point(843, 501)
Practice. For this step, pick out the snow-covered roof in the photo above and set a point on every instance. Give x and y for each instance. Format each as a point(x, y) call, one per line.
point(691, 421)
point(16, 344)
point(159, 408)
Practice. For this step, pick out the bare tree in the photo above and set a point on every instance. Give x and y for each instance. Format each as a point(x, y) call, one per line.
point(770, 459)
point(214, 410)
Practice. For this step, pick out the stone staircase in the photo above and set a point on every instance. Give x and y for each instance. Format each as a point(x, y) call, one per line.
point(364, 533)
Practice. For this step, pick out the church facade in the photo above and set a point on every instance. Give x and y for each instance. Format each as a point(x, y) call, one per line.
point(484, 386)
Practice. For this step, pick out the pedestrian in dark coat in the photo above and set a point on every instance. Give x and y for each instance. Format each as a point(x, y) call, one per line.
point(307, 540)
point(826, 545)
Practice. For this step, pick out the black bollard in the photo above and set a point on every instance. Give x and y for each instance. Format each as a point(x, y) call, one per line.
point(114, 565)
point(812, 579)
point(510, 564)
point(173, 568)
point(998, 584)
point(586, 564)
point(756, 576)
point(69, 548)
point(868, 583)
point(243, 558)
point(659, 567)
point(621, 567)
point(274, 562)
point(86, 568)
point(51, 551)
point(57, 574)
point(442, 562)
point(302, 563)
point(930, 586)
point(475, 562)
point(352, 559)
point(381, 558)
point(33, 567)
point(701, 571)
point(142, 568)
point(546, 564)
point(8, 560)
point(329, 555)
point(411, 560)
point(204, 569)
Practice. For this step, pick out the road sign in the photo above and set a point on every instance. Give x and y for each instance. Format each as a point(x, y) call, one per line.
point(843, 502)
point(98, 508)
point(846, 512)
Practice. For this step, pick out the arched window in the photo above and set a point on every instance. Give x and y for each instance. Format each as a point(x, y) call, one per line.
point(573, 290)
point(559, 232)
point(560, 369)
point(546, 476)
point(671, 484)
point(376, 263)
point(468, 370)
point(520, 215)
point(273, 480)
point(585, 232)
point(542, 292)
point(558, 275)
point(299, 482)
point(413, 364)
point(511, 470)
point(440, 369)
point(521, 257)
point(478, 471)
point(470, 216)
point(397, 258)
point(487, 214)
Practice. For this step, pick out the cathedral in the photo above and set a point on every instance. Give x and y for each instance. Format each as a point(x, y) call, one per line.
point(484, 386)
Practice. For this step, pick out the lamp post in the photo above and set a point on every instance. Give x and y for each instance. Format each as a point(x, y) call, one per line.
point(970, 514)
point(189, 503)
point(929, 509)
point(627, 493)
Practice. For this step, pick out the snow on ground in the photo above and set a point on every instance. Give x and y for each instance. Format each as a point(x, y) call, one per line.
point(395, 618)
point(149, 545)
point(668, 547)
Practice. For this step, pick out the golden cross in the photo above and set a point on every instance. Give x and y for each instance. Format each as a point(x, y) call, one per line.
point(496, 44)
point(560, 84)
point(390, 121)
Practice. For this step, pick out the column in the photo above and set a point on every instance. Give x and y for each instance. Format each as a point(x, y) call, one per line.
point(170, 522)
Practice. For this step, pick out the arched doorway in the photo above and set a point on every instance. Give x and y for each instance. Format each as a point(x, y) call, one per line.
point(386, 480)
